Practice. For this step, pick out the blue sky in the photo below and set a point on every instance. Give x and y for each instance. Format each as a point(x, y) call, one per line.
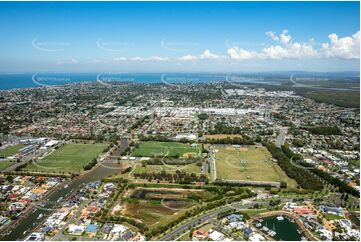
point(179, 36)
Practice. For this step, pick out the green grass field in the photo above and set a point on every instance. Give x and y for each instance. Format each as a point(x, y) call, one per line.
point(185, 237)
point(158, 206)
point(68, 158)
point(152, 215)
point(5, 164)
point(12, 150)
point(167, 149)
point(190, 168)
point(330, 217)
point(249, 163)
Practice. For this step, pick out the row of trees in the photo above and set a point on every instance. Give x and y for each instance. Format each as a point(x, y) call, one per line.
point(286, 149)
point(303, 177)
point(180, 177)
point(154, 138)
point(324, 130)
point(90, 164)
point(342, 186)
point(223, 128)
point(244, 140)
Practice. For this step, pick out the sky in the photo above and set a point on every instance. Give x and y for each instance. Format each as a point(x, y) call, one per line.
point(179, 36)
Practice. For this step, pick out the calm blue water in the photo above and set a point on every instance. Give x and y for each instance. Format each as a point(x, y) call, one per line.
point(12, 81)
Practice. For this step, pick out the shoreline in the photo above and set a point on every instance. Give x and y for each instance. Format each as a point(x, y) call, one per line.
point(306, 232)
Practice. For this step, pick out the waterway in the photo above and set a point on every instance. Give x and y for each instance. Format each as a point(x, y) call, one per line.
point(285, 230)
point(27, 224)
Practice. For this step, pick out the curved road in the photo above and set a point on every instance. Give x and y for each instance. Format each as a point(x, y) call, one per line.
point(244, 204)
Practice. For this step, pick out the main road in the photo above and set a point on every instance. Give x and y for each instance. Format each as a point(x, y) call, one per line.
point(208, 216)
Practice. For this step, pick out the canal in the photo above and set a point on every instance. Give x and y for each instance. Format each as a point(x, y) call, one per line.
point(285, 229)
point(55, 199)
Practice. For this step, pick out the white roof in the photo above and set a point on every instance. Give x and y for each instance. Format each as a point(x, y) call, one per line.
point(256, 237)
point(51, 143)
point(118, 228)
point(73, 227)
point(215, 235)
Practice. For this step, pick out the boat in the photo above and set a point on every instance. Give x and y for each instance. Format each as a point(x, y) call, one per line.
point(264, 228)
point(40, 216)
point(25, 231)
point(60, 198)
point(258, 225)
point(303, 238)
point(66, 186)
point(291, 220)
point(280, 218)
point(271, 233)
point(299, 231)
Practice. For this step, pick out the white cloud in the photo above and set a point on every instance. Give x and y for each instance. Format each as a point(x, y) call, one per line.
point(119, 59)
point(285, 38)
point(187, 58)
point(290, 51)
point(272, 35)
point(152, 58)
point(137, 58)
point(93, 61)
point(158, 58)
point(346, 47)
point(236, 53)
point(67, 62)
point(285, 50)
point(209, 55)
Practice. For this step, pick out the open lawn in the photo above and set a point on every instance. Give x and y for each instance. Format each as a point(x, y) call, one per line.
point(158, 206)
point(190, 168)
point(5, 164)
point(166, 149)
point(331, 217)
point(138, 168)
point(248, 163)
point(68, 158)
point(152, 214)
point(185, 237)
point(12, 150)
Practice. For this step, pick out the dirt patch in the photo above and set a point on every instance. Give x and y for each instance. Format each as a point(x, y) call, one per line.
point(189, 154)
point(222, 136)
point(243, 149)
point(229, 148)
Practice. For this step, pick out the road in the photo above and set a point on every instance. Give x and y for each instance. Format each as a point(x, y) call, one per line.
point(261, 199)
point(281, 138)
point(208, 216)
point(212, 164)
point(23, 161)
point(75, 218)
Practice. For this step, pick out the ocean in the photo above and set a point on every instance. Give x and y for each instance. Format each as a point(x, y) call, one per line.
point(32, 80)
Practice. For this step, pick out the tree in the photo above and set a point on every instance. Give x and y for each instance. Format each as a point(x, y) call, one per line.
point(203, 116)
